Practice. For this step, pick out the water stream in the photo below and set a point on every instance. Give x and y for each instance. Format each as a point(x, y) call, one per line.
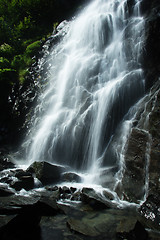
point(95, 78)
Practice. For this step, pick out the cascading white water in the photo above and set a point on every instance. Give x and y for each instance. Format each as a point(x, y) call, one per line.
point(96, 77)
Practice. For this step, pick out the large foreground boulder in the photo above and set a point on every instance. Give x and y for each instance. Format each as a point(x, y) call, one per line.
point(46, 172)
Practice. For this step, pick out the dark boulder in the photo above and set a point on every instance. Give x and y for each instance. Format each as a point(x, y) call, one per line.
point(76, 196)
point(46, 172)
point(26, 182)
point(94, 199)
point(71, 177)
point(80, 227)
point(17, 179)
point(26, 224)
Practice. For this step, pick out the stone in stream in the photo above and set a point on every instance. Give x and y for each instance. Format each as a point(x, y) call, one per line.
point(95, 200)
point(26, 182)
point(46, 172)
point(76, 196)
point(18, 179)
point(71, 177)
point(102, 224)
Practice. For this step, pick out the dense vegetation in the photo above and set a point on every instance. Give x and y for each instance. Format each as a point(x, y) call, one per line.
point(23, 24)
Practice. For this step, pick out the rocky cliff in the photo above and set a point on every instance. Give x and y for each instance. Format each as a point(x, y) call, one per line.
point(143, 147)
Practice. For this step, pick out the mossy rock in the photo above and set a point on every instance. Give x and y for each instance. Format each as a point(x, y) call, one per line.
point(32, 48)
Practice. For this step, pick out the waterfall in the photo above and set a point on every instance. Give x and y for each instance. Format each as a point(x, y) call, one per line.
point(95, 78)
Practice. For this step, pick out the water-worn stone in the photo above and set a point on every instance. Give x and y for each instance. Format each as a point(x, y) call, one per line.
point(20, 174)
point(94, 199)
point(50, 196)
point(25, 182)
point(46, 172)
point(76, 196)
point(18, 179)
point(80, 227)
point(71, 177)
point(102, 224)
point(108, 195)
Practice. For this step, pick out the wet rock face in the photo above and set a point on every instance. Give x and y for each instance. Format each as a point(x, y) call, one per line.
point(152, 115)
point(154, 129)
point(151, 53)
point(150, 212)
point(132, 186)
point(141, 173)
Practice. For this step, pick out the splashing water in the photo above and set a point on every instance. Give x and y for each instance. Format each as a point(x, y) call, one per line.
point(96, 77)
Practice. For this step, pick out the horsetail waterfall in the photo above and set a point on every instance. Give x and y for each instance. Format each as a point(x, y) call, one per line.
point(95, 82)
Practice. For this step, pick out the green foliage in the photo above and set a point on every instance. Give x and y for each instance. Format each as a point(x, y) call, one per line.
point(4, 63)
point(17, 62)
point(6, 50)
point(6, 32)
point(23, 28)
point(22, 24)
point(30, 52)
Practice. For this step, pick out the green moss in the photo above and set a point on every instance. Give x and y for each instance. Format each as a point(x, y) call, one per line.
point(27, 43)
point(32, 48)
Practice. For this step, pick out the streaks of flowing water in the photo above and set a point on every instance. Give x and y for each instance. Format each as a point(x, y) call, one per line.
point(96, 77)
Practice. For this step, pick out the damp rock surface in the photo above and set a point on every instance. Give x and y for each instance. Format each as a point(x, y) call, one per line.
point(150, 212)
point(46, 172)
